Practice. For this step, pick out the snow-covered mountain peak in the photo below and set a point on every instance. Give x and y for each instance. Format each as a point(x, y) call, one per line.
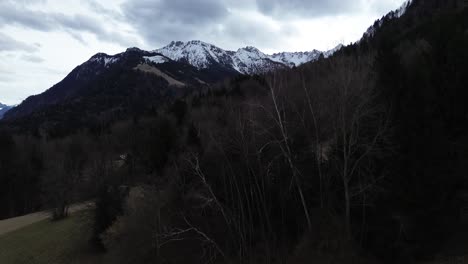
point(293, 59)
point(195, 52)
point(247, 60)
point(250, 49)
point(206, 56)
point(250, 53)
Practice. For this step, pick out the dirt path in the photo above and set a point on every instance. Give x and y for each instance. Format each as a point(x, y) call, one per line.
point(13, 224)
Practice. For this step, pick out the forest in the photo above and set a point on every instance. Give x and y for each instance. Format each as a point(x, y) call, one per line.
point(356, 158)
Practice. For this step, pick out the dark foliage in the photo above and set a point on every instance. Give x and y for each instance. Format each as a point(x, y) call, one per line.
point(356, 158)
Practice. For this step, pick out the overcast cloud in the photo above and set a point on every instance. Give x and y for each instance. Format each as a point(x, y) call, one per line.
point(42, 40)
point(307, 8)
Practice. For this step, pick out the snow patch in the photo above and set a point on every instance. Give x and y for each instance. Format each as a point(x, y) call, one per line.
point(110, 61)
point(104, 59)
point(158, 59)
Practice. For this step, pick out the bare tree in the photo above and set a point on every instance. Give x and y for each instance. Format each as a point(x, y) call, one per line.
point(360, 128)
point(280, 119)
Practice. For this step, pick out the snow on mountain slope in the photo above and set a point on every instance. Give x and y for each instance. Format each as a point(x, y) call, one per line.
point(158, 59)
point(196, 53)
point(104, 59)
point(248, 60)
point(296, 58)
point(203, 56)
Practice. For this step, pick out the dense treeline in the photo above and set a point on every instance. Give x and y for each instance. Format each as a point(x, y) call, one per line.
point(242, 172)
point(357, 158)
point(247, 171)
point(423, 75)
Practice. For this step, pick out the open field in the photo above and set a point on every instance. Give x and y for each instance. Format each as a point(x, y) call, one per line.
point(9, 225)
point(48, 242)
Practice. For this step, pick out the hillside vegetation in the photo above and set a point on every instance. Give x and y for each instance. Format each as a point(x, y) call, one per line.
point(356, 158)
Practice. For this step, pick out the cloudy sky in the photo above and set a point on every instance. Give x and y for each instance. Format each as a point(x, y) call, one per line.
point(43, 40)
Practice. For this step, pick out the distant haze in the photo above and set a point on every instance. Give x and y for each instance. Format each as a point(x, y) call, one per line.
point(41, 41)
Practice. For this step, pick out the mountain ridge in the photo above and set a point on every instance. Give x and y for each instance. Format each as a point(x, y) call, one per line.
point(187, 64)
point(3, 109)
point(120, 76)
point(247, 60)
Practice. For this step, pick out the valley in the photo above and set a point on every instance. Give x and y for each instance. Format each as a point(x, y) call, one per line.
point(192, 153)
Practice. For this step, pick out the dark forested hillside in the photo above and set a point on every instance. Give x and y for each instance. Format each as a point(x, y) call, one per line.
point(108, 88)
point(422, 66)
point(356, 158)
point(4, 109)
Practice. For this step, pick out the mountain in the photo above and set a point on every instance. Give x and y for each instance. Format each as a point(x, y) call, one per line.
point(248, 60)
point(3, 109)
point(421, 64)
point(174, 69)
point(293, 59)
point(390, 16)
point(391, 108)
point(419, 11)
point(109, 87)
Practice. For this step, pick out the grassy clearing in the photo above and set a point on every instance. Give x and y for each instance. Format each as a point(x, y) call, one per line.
point(49, 242)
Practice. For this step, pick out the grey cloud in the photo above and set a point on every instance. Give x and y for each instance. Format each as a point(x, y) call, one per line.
point(32, 58)
point(184, 11)
point(308, 8)
point(28, 2)
point(78, 22)
point(6, 75)
point(14, 14)
point(161, 21)
point(102, 10)
point(249, 31)
point(6, 78)
point(381, 6)
point(8, 43)
point(82, 23)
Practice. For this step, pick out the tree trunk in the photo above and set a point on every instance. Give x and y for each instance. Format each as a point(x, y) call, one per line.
point(347, 208)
